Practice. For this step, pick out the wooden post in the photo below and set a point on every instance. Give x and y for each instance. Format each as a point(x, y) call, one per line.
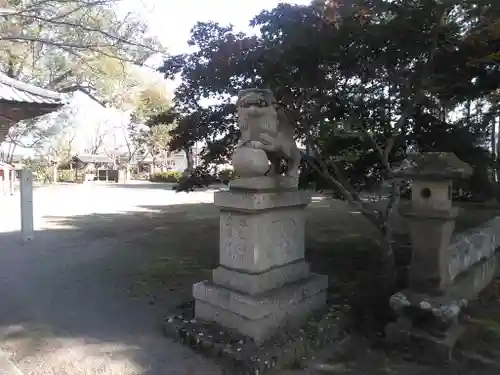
point(12, 180)
point(5, 180)
point(26, 187)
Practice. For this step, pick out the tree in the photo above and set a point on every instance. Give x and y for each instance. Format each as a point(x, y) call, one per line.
point(70, 38)
point(95, 140)
point(158, 144)
point(60, 152)
point(27, 134)
point(135, 137)
point(149, 101)
point(193, 126)
point(140, 140)
point(72, 45)
point(58, 146)
point(363, 82)
point(40, 133)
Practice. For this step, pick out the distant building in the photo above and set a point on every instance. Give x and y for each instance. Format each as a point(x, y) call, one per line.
point(8, 177)
point(177, 161)
point(91, 162)
point(174, 161)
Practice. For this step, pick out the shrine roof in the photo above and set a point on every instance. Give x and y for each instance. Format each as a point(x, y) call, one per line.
point(12, 90)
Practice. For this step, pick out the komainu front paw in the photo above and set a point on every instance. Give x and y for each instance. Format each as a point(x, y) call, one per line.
point(256, 144)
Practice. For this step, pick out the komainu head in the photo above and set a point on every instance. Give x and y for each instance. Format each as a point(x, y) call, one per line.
point(255, 98)
point(257, 105)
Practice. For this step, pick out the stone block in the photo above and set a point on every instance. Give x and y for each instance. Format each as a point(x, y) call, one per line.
point(439, 195)
point(431, 349)
point(258, 242)
point(472, 246)
point(430, 237)
point(254, 202)
point(259, 306)
point(259, 317)
point(470, 283)
point(447, 307)
point(238, 354)
point(264, 183)
point(258, 283)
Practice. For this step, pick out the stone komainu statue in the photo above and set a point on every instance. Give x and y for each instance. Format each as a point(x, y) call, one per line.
point(264, 128)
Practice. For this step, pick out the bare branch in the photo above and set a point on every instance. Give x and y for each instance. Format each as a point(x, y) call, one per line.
point(66, 46)
point(370, 213)
point(83, 27)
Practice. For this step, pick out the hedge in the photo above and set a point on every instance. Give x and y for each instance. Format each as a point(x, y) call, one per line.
point(170, 176)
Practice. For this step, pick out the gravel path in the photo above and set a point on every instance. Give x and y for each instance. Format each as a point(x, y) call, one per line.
point(65, 305)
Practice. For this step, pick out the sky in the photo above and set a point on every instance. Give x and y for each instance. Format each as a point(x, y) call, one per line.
point(171, 21)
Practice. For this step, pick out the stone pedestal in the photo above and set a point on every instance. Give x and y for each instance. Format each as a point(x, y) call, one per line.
point(252, 313)
point(263, 281)
point(264, 183)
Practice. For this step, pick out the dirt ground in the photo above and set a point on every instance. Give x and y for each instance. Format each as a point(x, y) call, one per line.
point(69, 304)
point(108, 263)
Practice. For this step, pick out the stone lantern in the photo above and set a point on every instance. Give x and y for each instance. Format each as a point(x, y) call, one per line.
point(432, 218)
point(429, 309)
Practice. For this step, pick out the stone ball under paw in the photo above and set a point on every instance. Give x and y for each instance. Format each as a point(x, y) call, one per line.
point(250, 162)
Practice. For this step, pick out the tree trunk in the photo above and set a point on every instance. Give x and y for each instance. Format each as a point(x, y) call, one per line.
point(494, 151)
point(469, 112)
point(54, 173)
point(10, 154)
point(496, 124)
point(189, 159)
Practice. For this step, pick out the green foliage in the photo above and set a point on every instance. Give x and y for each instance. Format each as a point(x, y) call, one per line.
point(149, 102)
point(66, 175)
point(170, 176)
point(226, 175)
point(198, 178)
point(141, 140)
point(41, 170)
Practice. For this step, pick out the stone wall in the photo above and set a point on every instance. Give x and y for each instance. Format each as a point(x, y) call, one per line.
point(472, 246)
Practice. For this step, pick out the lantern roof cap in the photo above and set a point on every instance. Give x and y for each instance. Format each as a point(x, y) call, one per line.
point(435, 166)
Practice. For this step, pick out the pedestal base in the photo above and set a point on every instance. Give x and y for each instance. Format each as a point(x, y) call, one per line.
point(239, 355)
point(261, 316)
point(258, 283)
point(429, 348)
point(435, 318)
point(264, 183)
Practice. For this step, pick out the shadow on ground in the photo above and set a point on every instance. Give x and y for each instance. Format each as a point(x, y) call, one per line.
point(164, 186)
point(84, 292)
